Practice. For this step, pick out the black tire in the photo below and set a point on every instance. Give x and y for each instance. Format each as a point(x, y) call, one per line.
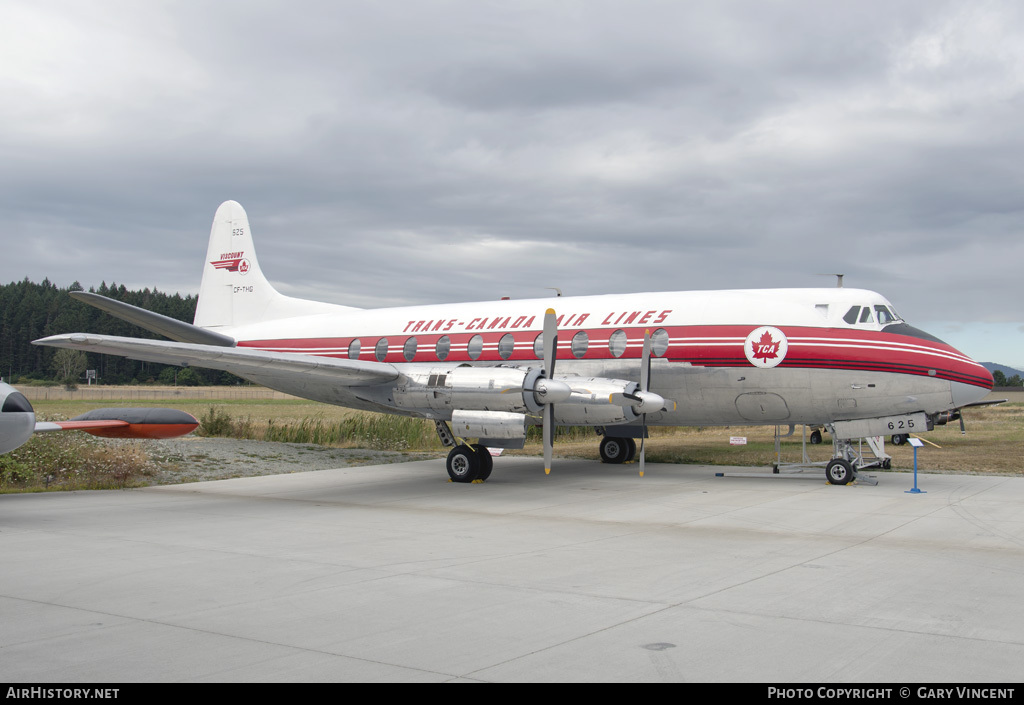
point(486, 461)
point(630, 449)
point(463, 464)
point(615, 450)
point(899, 439)
point(815, 438)
point(839, 472)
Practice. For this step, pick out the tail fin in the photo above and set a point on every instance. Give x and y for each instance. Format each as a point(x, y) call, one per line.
point(234, 291)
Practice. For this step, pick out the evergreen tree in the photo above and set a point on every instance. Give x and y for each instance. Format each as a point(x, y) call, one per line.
point(29, 311)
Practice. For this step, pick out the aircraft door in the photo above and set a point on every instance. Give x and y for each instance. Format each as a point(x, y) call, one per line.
point(762, 407)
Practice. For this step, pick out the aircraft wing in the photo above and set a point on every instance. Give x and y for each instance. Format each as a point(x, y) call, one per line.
point(976, 404)
point(163, 325)
point(351, 373)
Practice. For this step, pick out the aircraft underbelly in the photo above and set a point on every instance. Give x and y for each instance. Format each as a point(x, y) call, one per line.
point(705, 396)
point(744, 395)
point(725, 396)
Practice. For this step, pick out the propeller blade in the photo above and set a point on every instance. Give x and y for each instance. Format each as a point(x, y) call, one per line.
point(645, 385)
point(550, 343)
point(550, 355)
point(548, 435)
point(642, 453)
point(645, 363)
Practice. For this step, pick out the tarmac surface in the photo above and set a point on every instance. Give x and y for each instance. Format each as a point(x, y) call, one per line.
point(392, 573)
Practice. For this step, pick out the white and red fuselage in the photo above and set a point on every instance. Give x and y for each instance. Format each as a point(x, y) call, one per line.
point(726, 357)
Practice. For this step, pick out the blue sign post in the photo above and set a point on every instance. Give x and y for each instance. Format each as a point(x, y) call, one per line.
point(916, 442)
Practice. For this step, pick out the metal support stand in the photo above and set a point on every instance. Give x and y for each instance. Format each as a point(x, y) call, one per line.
point(780, 469)
point(841, 448)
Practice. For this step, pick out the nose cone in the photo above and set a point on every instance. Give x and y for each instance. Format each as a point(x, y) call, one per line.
point(964, 394)
point(969, 381)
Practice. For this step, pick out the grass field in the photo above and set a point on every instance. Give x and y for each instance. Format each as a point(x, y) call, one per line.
point(994, 442)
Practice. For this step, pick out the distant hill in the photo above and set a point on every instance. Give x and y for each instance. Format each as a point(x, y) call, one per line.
point(1008, 371)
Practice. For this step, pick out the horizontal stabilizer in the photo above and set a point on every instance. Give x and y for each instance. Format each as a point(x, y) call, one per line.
point(239, 361)
point(154, 322)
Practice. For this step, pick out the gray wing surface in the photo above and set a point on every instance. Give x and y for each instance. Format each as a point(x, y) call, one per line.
point(240, 361)
point(170, 327)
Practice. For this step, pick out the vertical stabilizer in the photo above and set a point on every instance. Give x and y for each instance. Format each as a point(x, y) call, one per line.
point(234, 291)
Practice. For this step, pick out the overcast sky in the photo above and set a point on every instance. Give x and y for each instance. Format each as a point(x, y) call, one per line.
point(395, 153)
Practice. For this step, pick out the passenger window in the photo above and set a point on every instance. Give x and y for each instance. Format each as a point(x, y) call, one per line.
point(538, 346)
point(506, 345)
point(476, 346)
point(851, 315)
point(580, 342)
point(381, 350)
point(353, 349)
point(617, 343)
point(443, 347)
point(409, 349)
point(659, 342)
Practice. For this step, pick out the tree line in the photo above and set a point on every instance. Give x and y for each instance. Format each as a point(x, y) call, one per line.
point(1001, 380)
point(29, 311)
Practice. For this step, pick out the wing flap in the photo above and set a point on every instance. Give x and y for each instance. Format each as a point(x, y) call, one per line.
point(352, 373)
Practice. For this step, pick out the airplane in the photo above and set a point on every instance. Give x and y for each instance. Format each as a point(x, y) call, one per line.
point(18, 421)
point(838, 358)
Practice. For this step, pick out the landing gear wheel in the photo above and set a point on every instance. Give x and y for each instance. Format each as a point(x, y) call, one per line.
point(887, 464)
point(839, 472)
point(899, 439)
point(486, 461)
point(615, 450)
point(815, 438)
point(463, 464)
point(630, 448)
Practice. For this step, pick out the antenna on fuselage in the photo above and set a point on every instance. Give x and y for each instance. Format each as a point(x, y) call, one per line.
point(839, 279)
point(558, 292)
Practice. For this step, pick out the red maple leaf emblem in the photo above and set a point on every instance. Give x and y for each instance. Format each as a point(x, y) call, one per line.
point(766, 348)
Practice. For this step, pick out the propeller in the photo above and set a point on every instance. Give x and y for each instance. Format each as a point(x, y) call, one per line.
point(643, 400)
point(546, 390)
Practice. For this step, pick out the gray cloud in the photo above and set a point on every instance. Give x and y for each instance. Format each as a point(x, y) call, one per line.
point(440, 151)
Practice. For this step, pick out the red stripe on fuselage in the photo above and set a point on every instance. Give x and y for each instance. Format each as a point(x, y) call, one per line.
point(701, 346)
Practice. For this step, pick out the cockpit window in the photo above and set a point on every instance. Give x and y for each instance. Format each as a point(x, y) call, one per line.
point(865, 315)
point(884, 315)
point(851, 315)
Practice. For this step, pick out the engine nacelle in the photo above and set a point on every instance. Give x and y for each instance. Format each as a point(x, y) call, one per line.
point(589, 403)
point(17, 419)
point(488, 424)
point(578, 401)
point(445, 389)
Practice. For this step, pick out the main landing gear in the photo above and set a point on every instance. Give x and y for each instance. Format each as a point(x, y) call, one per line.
point(617, 450)
point(468, 463)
